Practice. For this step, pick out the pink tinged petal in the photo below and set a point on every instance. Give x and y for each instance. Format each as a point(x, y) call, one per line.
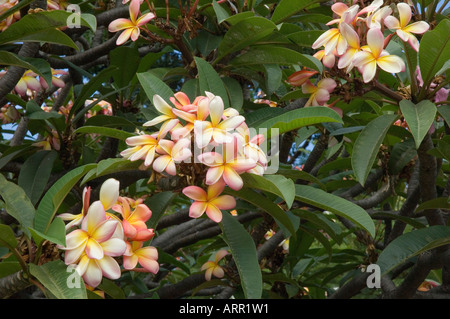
point(324, 38)
point(375, 40)
point(418, 27)
point(141, 212)
point(216, 108)
point(221, 136)
point(58, 82)
point(181, 150)
point(93, 274)
point(167, 127)
point(413, 42)
point(189, 117)
point(346, 58)
point(21, 87)
point(341, 45)
point(391, 63)
point(93, 249)
point(171, 168)
point(330, 46)
point(218, 272)
point(392, 23)
point(110, 268)
point(76, 238)
point(148, 252)
point(182, 98)
point(94, 217)
point(362, 58)
point(73, 255)
point(109, 192)
point(150, 157)
point(120, 24)
point(369, 70)
point(144, 19)
point(141, 140)
point(321, 96)
point(161, 163)
point(328, 84)
point(213, 213)
point(202, 109)
point(403, 35)
point(232, 178)
point(157, 120)
point(211, 159)
point(224, 202)
point(196, 193)
point(220, 254)
point(339, 8)
point(208, 265)
point(308, 87)
point(241, 165)
point(134, 10)
point(350, 35)
point(105, 230)
point(130, 262)
point(82, 265)
point(166, 145)
point(124, 36)
point(162, 106)
point(197, 209)
point(214, 174)
point(135, 33)
point(114, 247)
point(128, 229)
point(208, 274)
point(149, 264)
point(404, 12)
point(144, 235)
point(215, 189)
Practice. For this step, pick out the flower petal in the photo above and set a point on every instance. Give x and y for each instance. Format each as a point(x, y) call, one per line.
point(93, 249)
point(224, 202)
point(105, 230)
point(162, 106)
point(120, 24)
point(214, 174)
point(391, 63)
point(418, 27)
point(232, 178)
point(404, 13)
point(114, 247)
point(214, 213)
point(110, 268)
point(93, 274)
point(392, 23)
point(375, 41)
point(195, 192)
point(144, 19)
point(130, 262)
point(211, 159)
point(109, 192)
point(150, 265)
point(197, 209)
point(161, 163)
point(124, 36)
point(216, 108)
point(94, 217)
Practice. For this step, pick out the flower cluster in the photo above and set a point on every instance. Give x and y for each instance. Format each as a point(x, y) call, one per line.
point(201, 140)
point(110, 227)
point(357, 41)
point(5, 6)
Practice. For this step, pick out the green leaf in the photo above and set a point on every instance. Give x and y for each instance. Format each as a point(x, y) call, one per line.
point(56, 233)
point(7, 237)
point(104, 131)
point(9, 58)
point(298, 118)
point(244, 254)
point(221, 13)
point(434, 51)
point(419, 117)
point(275, 184)
point(274, 76)
point(35, 172)
point(126, 59)
point(258, 55)
point(335, 204)
point(243, 34)
point(62, 282)
point(17, 203)
point(436, 203)
point(266, 205)
point(153, 85)
point(158, 203)
point(305, 38)
point(288, 8)
point(8, 268)
point(210, 81)
point(367, 145)
point(54, 197)
point(401, 154)
point(412, 244)
point(40, 27)
point(235, 93)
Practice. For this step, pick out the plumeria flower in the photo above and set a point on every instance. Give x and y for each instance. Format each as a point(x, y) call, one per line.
point(94, 238)
point(172, 153)
point(133, 222)
point(27, 82)
point(76, 219)
point(327, 60)
point(146, 256)
point(143, 147)
point(109, 193)
point(9, 114)
point(209, 201)
point(216, 130)
point(320, 93)
point(404, 31)
point(373, 55)
point(332, 39)
point(228, 166)
point(168, 118)
point(190, 113)
point(213, 268)
point(300, 77)
point(345, 61)
point(93, 270)
point(130, 27)
point(374, 19)
point(56, 81)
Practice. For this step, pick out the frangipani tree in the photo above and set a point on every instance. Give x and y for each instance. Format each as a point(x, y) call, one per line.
point(245, 149)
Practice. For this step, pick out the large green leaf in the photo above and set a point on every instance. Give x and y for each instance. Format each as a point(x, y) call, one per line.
point(9, 58)
point(419, 117)
point(367, 145)
point(61, 282)
point(275, 184)
point(158, 203)
point(54, 197)
point(153, 85)
point(298, 118)
point(121, 57)
point(243, 34)
point(335, 204)
point(35, 172)
point(56, 233)
point(412, 244)
point(209, 80)
point(7, 237)
point(288, 8)
point(104, 131)
point(17, 203)
point(244, 254)
point(258, 55)
point(40, 27)
point(434, 51)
